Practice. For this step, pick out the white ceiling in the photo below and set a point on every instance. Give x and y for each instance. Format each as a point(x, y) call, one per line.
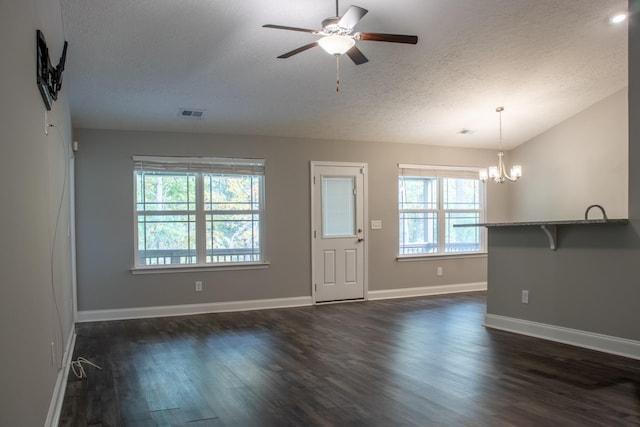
point(132, 64)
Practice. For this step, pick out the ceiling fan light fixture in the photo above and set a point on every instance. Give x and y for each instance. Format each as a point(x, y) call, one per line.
point(336, 44)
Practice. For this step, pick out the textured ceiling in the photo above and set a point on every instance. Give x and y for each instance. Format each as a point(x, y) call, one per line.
point(132, 64)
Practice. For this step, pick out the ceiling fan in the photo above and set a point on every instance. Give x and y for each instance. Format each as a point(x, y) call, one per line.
point(338, 37)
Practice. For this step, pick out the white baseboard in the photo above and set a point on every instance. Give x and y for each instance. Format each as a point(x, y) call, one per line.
point(188, 309)
point(426, 291)
point(55, 406)
point(590, 340)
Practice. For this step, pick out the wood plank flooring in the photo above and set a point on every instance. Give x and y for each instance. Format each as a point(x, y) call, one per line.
point(407, 362)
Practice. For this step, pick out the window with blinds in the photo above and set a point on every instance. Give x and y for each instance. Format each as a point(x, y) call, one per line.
point(192, 211)
point(431, 200)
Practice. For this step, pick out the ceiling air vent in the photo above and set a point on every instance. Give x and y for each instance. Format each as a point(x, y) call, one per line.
point(465, 131)
point(189, 112)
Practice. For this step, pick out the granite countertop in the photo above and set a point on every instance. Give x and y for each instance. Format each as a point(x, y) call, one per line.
point(545, 223)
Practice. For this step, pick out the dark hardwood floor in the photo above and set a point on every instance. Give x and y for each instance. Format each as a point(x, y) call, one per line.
point(406, 362)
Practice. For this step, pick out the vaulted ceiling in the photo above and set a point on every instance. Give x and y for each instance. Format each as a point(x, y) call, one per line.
point(133, 64)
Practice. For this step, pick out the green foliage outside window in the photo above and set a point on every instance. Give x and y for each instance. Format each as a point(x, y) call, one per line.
point(174, 210)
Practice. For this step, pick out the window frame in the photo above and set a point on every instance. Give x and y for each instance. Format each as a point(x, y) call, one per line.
point(200, 167)
point(441, 172)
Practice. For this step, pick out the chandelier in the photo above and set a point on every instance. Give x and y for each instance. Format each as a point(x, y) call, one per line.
point(498, 173)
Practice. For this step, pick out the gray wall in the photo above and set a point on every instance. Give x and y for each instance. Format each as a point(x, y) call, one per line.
point(584, 159)
point(32, 168)
point(591, 283)
point(104, 213)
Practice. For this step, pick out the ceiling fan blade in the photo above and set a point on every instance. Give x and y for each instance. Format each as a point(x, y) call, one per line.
point(282, 27)
point(393, 38)
point(351, 17)
point(298, 50)
point(357, 56)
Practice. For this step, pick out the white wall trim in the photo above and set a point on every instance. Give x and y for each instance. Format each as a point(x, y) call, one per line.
point(221, 307)
point(427, 290)
point(188, 309)
point(590, 340)
point(55, 406)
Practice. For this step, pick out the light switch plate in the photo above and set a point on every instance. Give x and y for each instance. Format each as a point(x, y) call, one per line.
point(376, 224)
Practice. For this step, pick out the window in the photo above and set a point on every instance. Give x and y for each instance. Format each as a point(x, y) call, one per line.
point(431, 201)
point(198, 211)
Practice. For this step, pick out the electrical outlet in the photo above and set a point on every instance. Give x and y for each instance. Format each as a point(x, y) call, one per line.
point(525, 297)
point(198, 286)
point(439, 271)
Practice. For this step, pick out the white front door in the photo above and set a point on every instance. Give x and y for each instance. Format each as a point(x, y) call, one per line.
point(338, 218)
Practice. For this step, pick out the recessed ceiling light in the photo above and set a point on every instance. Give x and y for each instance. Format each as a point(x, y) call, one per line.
point(465, 131)
point(618, 18)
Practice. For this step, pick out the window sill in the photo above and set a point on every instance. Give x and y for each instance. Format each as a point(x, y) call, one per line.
point(409, 258)
point(198, 268)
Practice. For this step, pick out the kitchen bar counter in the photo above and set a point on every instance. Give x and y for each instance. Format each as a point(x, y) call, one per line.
point(549, 227)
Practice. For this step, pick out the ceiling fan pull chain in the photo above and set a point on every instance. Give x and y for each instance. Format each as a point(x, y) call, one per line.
point(337, 12)
point(337, 73)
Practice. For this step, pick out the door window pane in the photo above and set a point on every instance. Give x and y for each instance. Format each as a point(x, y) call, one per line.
point(338, 207)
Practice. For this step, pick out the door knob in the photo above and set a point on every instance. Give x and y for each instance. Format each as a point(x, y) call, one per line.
point(360, 240)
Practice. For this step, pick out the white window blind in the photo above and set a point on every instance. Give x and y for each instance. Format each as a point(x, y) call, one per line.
point(438, 171)
point(200, 164)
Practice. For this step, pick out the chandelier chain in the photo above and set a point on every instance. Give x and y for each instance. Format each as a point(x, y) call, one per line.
point(500, 130)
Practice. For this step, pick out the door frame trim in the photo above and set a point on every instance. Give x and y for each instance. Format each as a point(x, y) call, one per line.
point(365, 200)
